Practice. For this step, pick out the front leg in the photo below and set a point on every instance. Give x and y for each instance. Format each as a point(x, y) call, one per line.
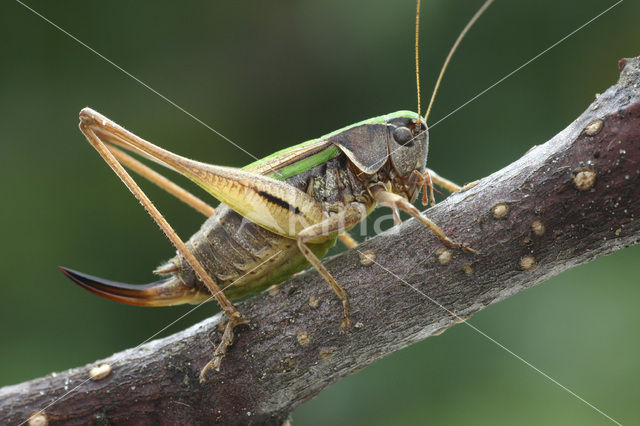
point(319, 232)
point(442, 182)
point(393, 200)
point(447, 184)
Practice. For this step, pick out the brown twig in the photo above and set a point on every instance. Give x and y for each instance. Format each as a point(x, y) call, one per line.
point(562, 204)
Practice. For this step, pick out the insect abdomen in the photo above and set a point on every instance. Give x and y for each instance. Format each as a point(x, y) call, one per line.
point(242, 257)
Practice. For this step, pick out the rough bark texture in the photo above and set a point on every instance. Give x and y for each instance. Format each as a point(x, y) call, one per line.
point(562, 204)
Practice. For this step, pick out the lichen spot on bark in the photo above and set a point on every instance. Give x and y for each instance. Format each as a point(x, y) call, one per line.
point(314, 301)
point(303, 338)
point(528, 263)
point(327, 352)
point(500, 210)
point(367, 258)
point(584, 179)
point(100, 372)
point(593, 128)
point(444, 255)
point(467, 268)
point(39, 418)
point(537, 227)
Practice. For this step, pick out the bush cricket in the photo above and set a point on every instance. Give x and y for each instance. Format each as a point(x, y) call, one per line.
point(277, 215)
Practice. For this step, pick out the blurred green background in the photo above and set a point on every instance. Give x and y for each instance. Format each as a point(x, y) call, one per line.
point(271, 74)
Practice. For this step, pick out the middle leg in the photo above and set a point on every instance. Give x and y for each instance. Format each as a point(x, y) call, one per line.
point(336, 223)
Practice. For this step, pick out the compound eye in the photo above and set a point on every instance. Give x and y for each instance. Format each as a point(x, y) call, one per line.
point(403, 135)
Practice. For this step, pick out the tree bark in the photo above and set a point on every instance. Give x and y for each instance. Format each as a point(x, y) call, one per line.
point(562, 204)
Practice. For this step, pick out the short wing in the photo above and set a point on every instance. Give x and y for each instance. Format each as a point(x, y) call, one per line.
point(291, 161)
point(270, 203)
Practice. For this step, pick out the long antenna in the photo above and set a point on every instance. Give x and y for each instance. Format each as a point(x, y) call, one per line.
point(453, 49)
point(418, 55)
